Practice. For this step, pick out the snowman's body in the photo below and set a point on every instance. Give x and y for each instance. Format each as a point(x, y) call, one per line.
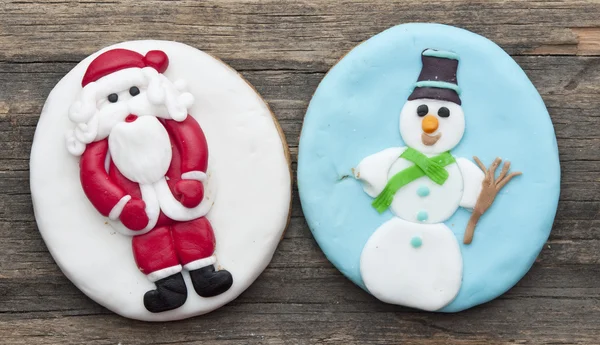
point(439, 203)
point(414, 259)
point(427, 277)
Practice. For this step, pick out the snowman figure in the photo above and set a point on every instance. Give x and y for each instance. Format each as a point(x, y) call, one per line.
point(414, 259)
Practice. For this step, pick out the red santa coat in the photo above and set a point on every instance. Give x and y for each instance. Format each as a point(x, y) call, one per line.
point(169, 244)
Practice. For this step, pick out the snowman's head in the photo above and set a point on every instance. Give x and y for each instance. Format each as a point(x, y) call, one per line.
point(432, 126)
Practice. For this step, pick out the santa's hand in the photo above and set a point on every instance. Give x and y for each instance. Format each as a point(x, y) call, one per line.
point(189, 192)
point(134, 215)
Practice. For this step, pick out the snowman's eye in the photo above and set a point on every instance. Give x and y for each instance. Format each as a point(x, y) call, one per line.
point(113, 98)
point(422, 110)
point(444, 112)
point(134, 91)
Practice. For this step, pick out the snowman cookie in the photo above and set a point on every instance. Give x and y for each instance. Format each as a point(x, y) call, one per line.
point(419, 219)
point(160, 180)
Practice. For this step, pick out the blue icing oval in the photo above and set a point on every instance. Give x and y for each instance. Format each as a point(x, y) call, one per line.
point(355, 113)
point(423, 191)
point(416, 242)
point(422, 216)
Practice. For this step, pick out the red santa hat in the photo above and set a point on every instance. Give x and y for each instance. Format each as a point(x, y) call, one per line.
point(118, 59)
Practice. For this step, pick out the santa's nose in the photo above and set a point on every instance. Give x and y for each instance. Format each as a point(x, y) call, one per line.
point(430, 123)
point(131, 118)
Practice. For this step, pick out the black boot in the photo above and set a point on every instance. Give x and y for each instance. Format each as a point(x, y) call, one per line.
point(170, 293)
point(208, 282)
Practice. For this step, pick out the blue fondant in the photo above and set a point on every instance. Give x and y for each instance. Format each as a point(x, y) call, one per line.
point(441, 54)
point(355, 112)
point(422, 216)
point(416, 242)
point(423, 191)
point(439, 85)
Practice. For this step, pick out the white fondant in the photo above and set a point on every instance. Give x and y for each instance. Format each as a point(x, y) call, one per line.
point(451, 128)
point(87, 132)
point(165, 272)
point(74, 146)
point(196, 264)
point(82, 110)
point(194, 175)
point(472, 179)
point(107, 161)
point(427, 277)
point(115, 212)
point(246, 154)
point(440, 204)
point(141, 149)
point(373, 170)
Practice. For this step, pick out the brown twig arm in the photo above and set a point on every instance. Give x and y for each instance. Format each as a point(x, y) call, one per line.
point(470, 231)
point(490, 186)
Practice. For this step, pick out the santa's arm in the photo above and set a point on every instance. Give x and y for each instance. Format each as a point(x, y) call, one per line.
point(192, 145)
point(102, 192)
point(472, 178)
point(193, 149)
point(106, 196)
point(373, 170)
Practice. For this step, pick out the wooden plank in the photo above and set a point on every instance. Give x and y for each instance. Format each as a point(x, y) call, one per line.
point(303, 31)
point(285, 49)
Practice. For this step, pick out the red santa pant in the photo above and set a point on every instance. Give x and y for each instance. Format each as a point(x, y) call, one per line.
point(165, 249)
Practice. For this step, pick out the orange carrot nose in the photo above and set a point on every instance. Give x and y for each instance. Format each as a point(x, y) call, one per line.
point(430, 123)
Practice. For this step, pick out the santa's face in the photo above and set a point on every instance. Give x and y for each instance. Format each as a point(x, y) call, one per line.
point(125, 107)
point(139, 144)
point(121, 96)
point(432, 126)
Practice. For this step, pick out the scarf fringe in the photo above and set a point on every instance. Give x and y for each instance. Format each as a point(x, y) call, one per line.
point(383, 201)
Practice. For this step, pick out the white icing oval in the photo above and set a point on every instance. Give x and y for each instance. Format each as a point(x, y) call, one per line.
point(247, 157)
point(427, 277)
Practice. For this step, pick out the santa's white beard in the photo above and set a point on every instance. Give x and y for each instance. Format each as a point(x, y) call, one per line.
point(141, 149)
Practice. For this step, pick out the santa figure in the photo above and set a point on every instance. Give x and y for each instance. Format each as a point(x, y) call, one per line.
point(143, 165)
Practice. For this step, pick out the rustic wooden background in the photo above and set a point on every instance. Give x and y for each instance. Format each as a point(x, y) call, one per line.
point(285, 49)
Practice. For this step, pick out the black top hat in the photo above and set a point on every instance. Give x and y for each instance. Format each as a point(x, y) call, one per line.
point(438, 77)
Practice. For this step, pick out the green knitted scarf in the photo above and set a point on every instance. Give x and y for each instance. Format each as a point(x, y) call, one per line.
point(431, 167)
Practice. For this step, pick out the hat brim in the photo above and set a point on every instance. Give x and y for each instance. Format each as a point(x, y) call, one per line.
point(441, 94)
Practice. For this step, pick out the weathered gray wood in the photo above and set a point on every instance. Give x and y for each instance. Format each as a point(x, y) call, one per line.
point(285, 49)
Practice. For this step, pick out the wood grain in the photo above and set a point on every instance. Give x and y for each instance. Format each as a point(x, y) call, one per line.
point(284, 49)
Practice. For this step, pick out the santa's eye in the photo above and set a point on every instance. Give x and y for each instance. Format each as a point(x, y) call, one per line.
point(134, 91)
point(422, 110)
point(444, 112)
point(113, 98)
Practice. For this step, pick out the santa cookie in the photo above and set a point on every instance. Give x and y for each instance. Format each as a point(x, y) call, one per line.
point(427, 214)
point(160, 180)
